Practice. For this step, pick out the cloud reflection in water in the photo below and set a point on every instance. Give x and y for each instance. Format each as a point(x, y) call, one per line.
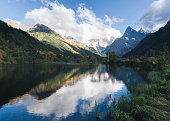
point(66, 100)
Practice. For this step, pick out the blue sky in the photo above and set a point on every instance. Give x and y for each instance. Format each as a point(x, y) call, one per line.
point(94, 19)
point(130, 10)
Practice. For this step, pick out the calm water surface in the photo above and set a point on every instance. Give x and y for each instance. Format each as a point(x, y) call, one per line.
point(60, 92)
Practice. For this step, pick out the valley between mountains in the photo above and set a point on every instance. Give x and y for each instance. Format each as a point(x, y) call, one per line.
point(60, 63)
point(84, 60)
point(41, 44)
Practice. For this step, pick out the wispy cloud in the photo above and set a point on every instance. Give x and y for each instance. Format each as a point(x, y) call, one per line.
point(113, 20)
point(81, 24)
point(157, 14)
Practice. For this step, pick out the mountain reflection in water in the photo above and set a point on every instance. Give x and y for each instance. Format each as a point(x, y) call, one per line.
point(62, 92)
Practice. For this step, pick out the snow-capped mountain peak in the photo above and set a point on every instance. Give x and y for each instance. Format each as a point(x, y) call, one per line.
point(127, 42)
point(142, 30)
point(128, 31)
point(100, 44)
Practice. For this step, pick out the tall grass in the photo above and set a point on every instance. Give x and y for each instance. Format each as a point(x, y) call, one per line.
point(147, 103)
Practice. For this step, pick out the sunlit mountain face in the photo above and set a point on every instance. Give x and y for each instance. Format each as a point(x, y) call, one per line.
point(69, 94)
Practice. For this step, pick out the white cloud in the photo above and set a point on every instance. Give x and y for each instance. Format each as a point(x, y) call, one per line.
point(81, 24)
point(157, 26)
point(117, 20)
point(108, 20)
point(157, 14)
point(112, 21)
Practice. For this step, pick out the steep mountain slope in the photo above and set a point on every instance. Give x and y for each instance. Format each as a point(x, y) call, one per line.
point(18, 46)
point(127, 42)
point(48, 36)
point(153, 42)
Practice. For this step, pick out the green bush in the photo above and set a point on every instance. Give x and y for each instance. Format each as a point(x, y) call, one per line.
point(140, 100)
point(123, 103)
point(122, 116)
point(153, 76)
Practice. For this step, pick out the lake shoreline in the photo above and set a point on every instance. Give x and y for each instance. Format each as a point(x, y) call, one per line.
point(141, 106)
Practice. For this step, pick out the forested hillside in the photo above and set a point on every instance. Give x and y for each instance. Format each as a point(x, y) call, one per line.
point(18, 46)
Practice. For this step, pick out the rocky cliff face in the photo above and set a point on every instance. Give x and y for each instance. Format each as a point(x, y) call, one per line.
point(127, 42)
point(153, 43)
